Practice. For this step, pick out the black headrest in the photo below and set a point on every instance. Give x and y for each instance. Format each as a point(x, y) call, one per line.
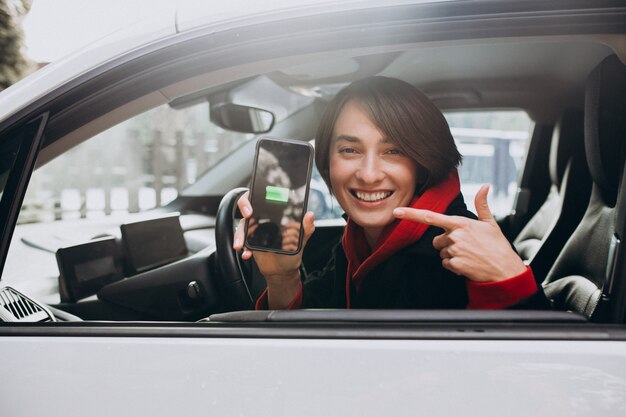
point(605, 125)
point(567, 140)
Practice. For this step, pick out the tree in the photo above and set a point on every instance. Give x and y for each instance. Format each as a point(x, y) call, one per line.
point(12, 62)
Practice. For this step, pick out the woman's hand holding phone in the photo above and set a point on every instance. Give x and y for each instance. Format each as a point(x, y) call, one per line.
point(282, 272)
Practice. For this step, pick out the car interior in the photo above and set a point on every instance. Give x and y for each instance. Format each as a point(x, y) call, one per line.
point(176, 263)
point(583, 277)
point(548, 229)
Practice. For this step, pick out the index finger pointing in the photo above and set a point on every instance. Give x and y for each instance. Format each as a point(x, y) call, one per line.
point(429, 217)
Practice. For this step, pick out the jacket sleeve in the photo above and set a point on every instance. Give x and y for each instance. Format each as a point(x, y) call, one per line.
point(518, 292)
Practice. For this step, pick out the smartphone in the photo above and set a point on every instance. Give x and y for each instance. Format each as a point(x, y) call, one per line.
point(279, 194)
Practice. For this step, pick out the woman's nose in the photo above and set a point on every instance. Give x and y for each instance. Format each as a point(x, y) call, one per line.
point(370, 171)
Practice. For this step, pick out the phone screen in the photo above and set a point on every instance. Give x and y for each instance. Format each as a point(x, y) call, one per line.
point(279, 195)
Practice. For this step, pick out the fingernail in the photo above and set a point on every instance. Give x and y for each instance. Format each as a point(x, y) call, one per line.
point(237, 243)
point(398, 212)
point(246, 211)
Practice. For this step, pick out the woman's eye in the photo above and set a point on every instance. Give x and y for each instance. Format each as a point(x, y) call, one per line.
point(394, 152)
point(347, 150)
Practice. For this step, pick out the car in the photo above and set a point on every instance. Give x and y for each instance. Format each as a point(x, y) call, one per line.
point(120, 168)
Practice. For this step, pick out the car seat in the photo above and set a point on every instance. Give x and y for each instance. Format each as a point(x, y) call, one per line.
point(543, 237)
point(582, 276)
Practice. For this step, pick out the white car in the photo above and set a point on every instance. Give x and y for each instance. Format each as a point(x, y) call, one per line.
point(120, 293)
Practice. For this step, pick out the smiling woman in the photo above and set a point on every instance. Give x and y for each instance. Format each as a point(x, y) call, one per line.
point(381, 144)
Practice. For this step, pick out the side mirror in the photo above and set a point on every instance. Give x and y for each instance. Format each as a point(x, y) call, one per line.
point(242, 119)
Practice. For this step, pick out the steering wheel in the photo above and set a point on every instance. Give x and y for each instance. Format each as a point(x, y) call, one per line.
point(233, 283)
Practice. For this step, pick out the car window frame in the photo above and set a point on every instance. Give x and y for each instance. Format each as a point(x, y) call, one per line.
point(26, 179)
point(13, 195)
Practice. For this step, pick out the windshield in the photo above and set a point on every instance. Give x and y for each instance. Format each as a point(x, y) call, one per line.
point(140, 164)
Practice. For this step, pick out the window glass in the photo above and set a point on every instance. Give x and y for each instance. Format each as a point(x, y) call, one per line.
point(493, 145)
point(137, 165)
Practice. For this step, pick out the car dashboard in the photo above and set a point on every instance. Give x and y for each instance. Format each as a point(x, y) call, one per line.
point(153, 266)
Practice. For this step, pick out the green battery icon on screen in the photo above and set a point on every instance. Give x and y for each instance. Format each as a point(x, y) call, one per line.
point(276, 194)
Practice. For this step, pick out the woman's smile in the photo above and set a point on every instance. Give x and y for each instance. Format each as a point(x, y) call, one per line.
point(371, 196)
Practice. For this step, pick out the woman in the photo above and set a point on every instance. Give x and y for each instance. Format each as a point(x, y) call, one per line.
point(387, 154)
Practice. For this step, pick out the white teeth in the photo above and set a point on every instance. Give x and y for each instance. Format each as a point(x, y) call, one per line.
point(372, 196)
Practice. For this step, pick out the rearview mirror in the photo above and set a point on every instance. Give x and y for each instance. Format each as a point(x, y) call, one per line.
point(242, 118)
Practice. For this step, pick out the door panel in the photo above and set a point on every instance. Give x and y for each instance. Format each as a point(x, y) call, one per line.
point(165, 376)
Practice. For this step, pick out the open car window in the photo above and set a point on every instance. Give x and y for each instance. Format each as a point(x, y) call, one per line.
point(169, 159)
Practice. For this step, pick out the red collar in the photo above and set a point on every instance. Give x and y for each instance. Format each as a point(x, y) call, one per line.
point(395, 236)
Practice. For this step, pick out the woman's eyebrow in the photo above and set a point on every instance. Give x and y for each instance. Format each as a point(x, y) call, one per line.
point(347, 138)
point(354, 139)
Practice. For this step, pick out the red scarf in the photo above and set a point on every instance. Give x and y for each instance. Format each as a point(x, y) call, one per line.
point(396, 235)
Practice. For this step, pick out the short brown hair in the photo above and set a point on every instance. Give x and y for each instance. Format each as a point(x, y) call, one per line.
point(405, 116)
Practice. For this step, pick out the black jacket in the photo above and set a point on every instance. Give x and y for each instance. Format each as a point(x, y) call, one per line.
point(413, 278)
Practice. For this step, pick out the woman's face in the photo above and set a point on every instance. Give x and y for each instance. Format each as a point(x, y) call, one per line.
point(369, 175)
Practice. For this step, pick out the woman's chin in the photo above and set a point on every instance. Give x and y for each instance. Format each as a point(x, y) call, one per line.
point(371, 220)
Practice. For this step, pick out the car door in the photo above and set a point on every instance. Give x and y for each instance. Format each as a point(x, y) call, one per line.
point(331, 363)
point(337, 366)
